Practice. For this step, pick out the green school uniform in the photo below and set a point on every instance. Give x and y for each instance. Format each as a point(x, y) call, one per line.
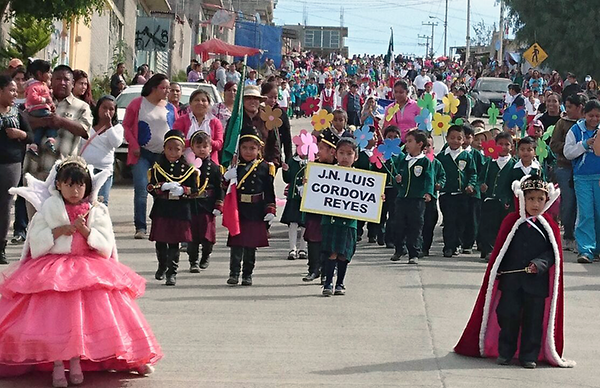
point(417, 180)
point(499, 181)
point(460, 172)
point(439, 176)
point(519, 171)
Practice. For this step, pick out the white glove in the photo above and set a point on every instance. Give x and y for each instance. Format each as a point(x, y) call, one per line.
point(300, 190)
point(177, 190)
point(168, 186)
point(269, 217)
point(230, 174)
point(217, 212)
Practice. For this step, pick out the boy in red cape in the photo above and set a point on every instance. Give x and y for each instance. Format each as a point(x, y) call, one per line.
point(527, 298)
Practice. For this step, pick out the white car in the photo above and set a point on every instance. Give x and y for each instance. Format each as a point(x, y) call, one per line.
point(134, 91)
point(187, 88)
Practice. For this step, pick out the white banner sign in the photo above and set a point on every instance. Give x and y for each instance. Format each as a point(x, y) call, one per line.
point(343, 192)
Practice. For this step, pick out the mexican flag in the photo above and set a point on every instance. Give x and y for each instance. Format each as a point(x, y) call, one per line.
point(234, 125)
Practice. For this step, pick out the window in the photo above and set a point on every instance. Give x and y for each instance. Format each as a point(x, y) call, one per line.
point(312, 38)
point(334, 41)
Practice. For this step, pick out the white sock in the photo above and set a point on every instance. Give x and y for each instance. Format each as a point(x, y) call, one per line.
point(293, 235)
point(302, 241)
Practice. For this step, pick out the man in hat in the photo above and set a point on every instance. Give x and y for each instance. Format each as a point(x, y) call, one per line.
point(13, 65)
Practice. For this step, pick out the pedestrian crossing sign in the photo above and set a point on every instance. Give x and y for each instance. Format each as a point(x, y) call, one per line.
point(535, 55)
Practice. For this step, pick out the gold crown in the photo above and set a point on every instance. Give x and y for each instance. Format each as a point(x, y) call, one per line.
point(534, 183)
point(78, 160)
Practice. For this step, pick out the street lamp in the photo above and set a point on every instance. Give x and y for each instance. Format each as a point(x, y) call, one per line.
point(445, 21)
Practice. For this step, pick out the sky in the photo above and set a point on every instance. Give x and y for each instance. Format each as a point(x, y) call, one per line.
point(369, 21)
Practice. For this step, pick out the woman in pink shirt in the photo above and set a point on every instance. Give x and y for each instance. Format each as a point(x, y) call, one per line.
point(404, 118)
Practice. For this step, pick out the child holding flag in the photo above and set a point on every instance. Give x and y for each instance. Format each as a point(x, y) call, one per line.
point(255, 206)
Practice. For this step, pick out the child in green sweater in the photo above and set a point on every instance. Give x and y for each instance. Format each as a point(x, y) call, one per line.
point(416, 187)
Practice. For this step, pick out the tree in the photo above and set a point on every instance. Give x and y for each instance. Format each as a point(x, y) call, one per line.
point(483, 34)
point(54, 9)
point(27, 37)
point(567, 30)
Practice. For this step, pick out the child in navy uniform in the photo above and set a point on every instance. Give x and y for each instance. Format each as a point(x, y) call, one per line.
point(172, 182)
point(461, 179)
point(327, 143)
point(206, 206)
point(256, 206)
point(415, 179)
point(293, 175)
point(339, 233)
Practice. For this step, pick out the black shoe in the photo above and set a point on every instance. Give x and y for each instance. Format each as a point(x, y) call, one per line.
point(194, 268)
point(233, 280)
point(160, 274)
point(170, 280)
point(425, 253)
point(482, 255)
point(359, 239)
point(302, 255)
point(204, 262)
point(528, 364)
point(395, 257)
point(372, 240)
point(390, 245)
point(18, 239)
point(448, 252)
point(380, 240)
point(246, 280)
point(292, 255)
point(310, 277)
point(503, 361)
point(467, 251)
point(456, 252)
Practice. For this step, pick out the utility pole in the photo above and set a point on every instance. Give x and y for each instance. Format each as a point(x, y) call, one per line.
point(468, 51)
point(433, 25)
point(446, 30)
point(500, 56)
point(427, 37)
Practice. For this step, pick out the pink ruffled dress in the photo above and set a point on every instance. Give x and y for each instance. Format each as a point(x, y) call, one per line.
point(61, 306)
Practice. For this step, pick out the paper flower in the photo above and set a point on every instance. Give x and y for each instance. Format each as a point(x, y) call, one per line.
point(391, 112)
point(440, 123)
point(271, 117)
point(321, 120)
point(389, 148)
point(458, 121)
point(310, 106)
point(541, 150)
point(427, 102)
point(306, 145)
point(451, 103)
point(362, 136)
point(548, 133)
point(423, 120)
point(376, 158)
point(491, 149)
point(514, 117)
point(493, 112)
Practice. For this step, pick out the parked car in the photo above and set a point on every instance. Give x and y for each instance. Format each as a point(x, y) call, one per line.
point(127, 95)
point(488, 90)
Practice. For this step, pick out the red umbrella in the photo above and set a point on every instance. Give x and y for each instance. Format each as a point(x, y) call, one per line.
point(217, 46)
point(441, 59)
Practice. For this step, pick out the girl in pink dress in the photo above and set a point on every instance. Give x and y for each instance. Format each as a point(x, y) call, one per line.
point(69, 302)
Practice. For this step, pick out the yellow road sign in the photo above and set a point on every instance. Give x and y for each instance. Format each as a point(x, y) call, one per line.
point(535, 55)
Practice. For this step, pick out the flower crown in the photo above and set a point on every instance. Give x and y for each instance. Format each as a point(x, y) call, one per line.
point(534, 183)
point(78, 160)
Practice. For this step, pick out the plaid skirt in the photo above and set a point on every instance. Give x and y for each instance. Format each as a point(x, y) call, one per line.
point(338, 239)
point(292, 213)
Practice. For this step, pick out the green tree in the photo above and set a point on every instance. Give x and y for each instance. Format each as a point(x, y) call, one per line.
point(27, 37)
point(54, 9)
point(567, 30)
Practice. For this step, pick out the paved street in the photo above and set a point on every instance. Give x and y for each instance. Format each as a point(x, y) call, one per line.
point(396, 326)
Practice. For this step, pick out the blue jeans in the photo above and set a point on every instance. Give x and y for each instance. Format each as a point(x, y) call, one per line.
point(568, 202)
point(140, 183)
point(587, 231)
point(105, 189)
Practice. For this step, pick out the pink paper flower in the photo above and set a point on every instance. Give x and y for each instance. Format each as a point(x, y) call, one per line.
point(376, 158)
point(306, 145)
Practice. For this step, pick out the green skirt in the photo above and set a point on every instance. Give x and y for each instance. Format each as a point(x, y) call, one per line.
point(338, 239)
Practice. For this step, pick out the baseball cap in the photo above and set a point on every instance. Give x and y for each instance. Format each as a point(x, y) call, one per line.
point(15, 62)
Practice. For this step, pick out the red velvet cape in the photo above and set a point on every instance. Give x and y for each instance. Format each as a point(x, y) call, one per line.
point(480, 337)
